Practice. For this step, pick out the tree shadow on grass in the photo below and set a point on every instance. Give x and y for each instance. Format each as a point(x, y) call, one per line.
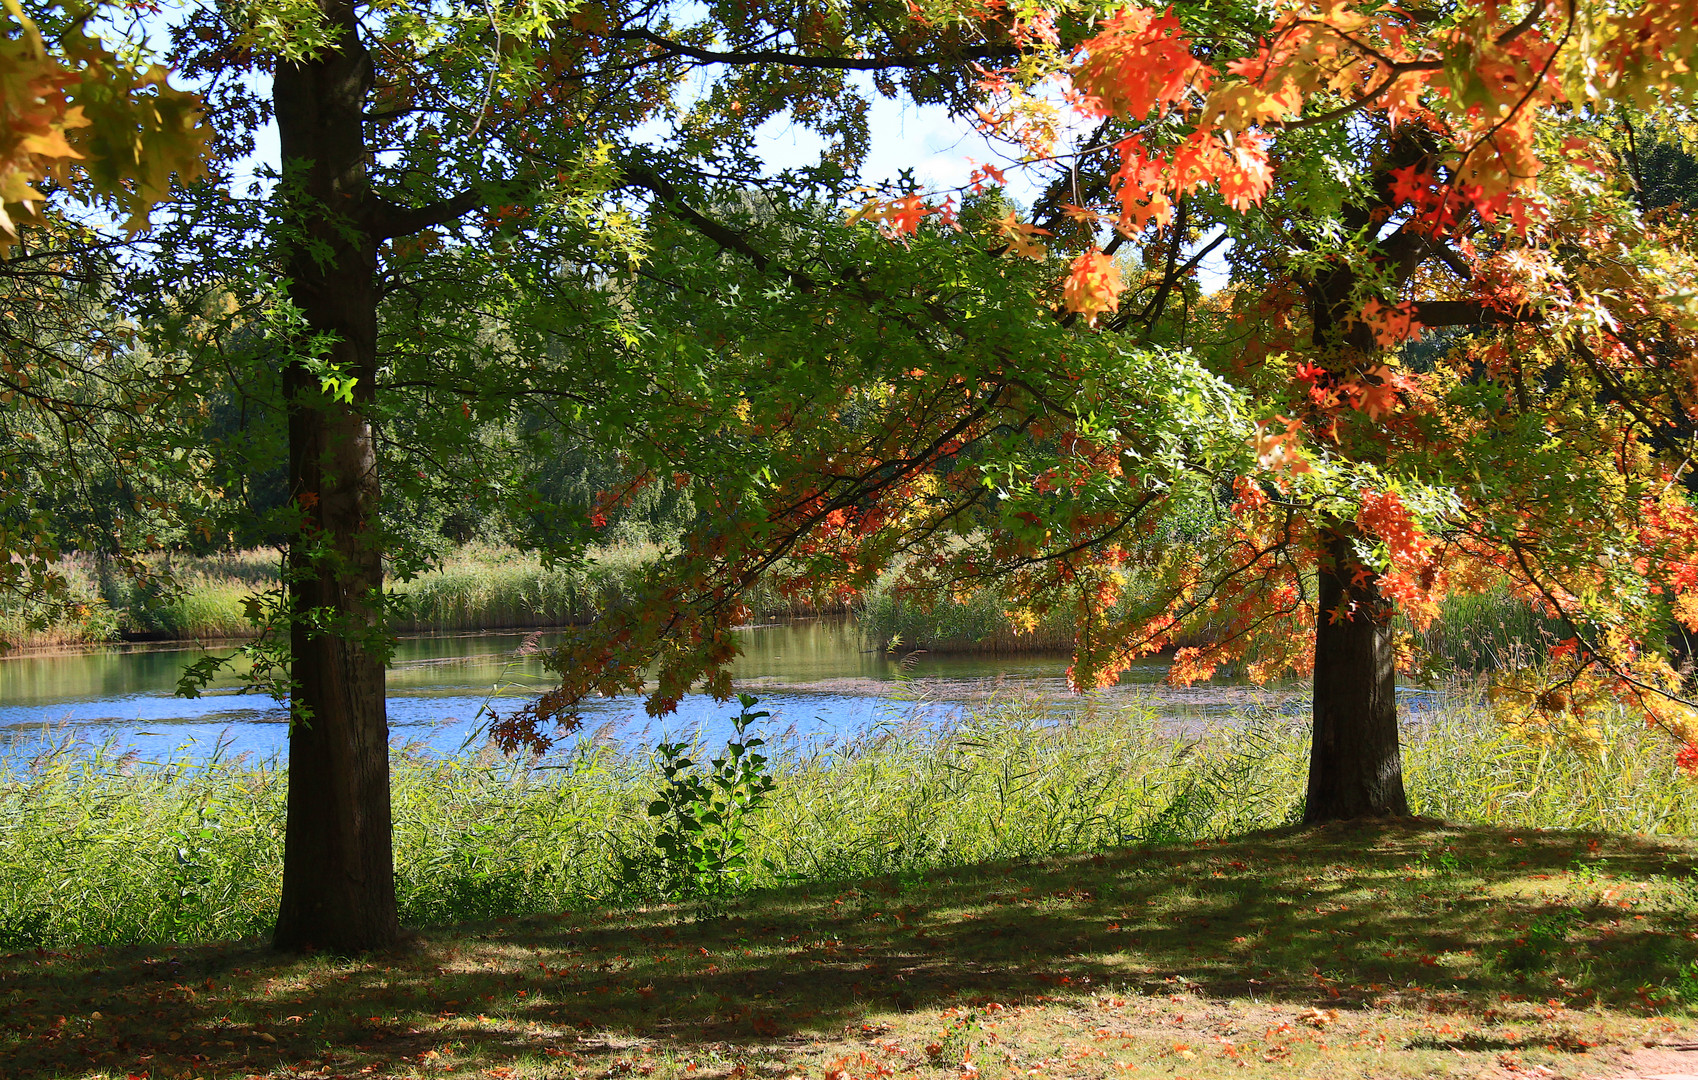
point(1338, 918)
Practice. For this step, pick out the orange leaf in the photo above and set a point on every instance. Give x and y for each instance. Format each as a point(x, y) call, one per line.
point(1093, 286)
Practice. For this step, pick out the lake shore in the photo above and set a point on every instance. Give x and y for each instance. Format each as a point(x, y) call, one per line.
point(817, 675)
point(482, 836)
point(482, 589)
point(474, 588)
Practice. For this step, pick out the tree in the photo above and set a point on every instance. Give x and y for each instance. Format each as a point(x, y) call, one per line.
point(1382, 173)
point(439, 170)
point(1379, 173)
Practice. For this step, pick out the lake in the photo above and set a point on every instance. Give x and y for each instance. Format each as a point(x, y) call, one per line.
point(819, 678)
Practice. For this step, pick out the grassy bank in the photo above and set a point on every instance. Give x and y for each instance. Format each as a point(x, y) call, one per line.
point(181, 852)
point(489, 588)
point(1472, 633)
point(476, 588)
point(1387, 951)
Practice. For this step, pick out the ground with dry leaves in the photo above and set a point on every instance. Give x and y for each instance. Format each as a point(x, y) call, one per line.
point(1387, 951)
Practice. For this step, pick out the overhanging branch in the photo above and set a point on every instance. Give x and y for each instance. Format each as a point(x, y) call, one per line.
point(389, 221)
point(1436, 313)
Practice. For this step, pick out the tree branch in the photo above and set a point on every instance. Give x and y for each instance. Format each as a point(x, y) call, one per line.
point(388, 221)
point(1434, 313)
point(646, 178)
point(802, 60)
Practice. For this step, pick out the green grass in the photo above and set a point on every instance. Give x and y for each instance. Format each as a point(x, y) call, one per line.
point(181, 852)
point(1088, 900)
point(1394, 951)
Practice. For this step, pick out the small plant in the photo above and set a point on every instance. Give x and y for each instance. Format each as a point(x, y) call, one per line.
point(1686, 984)
point(704, 814)
point(1544, 935)
point(953, 1047)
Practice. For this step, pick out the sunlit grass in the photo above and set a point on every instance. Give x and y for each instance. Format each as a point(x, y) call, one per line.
point(1088, 898)
point(137, 851)
point(1390, 950)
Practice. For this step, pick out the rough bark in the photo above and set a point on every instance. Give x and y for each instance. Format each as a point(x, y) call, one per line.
point(338, 865)
point(1355, 764)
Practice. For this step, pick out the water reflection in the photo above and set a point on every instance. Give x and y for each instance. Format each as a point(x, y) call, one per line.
point(818, 678)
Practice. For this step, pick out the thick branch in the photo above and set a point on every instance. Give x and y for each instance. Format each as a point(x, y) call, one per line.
point(1435, 313)
point(731, 240)
point(389, 221)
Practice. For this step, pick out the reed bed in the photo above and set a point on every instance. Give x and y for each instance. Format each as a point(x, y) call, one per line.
point(975, 624)
point(102, 848)
point(483, 587)
point(476, 588)
point(1473, 633)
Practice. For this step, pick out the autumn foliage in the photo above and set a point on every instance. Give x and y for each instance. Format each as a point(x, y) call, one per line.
point(1452, 339)
point(74, 112)
point(1490, 172)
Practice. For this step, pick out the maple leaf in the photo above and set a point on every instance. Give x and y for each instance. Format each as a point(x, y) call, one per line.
point(1020, 234)
point(1246, 182)
point(1411, 184)
point(1092, 286)
point(1277, 451)
point(1392, 324)
point(1377, 399)
point(905, 214)
point(983, 173)
point(1240, 105)
point(1136, 214)
point(1140, 63)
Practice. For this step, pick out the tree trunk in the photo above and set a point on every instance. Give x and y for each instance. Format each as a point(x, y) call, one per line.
point(1355, 765)
point(338, 864)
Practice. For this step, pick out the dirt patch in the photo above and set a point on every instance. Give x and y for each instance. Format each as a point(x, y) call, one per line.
point(1668, 1059)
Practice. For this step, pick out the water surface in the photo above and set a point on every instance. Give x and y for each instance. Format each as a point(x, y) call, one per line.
point(818, 677)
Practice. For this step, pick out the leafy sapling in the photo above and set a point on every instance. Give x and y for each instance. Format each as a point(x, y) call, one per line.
point(701, 845)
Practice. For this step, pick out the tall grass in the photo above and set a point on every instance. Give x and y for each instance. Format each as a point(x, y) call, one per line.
point(108, 605)
point(976, 624)
point(1461, 765)
point(485, 588)
point(101, 848)
point(1489, 631)
point(474, 588)
point(1472, 633)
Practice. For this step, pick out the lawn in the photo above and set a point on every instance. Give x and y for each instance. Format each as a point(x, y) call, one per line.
point(1387, 950)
